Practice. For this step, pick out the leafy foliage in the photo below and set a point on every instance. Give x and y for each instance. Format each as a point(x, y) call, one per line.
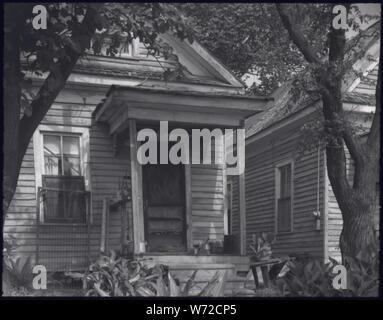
point(312, 278)
point(113, 276)
point(261, 247)
point(117, 24)
point(250, 39)
point(17, 273)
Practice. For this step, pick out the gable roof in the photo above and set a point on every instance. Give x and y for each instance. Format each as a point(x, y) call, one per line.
point(195, 55)
point(283, 105)
point(193, 64)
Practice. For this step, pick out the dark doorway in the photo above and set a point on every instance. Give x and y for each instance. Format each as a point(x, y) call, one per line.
point(164, 207)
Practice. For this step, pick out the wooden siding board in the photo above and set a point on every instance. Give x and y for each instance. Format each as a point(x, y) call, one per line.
point(207, 201)
point(106, 172)
point(260, 195)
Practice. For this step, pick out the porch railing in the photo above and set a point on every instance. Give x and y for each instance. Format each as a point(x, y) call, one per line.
point(117, 213)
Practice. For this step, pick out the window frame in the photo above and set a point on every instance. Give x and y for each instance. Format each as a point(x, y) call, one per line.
point(62, 135)
point(38, 148)
point(277, 188)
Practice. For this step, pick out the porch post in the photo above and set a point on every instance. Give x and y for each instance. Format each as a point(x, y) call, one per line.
point(242, 190)
point(137, 197)
point(188, 207)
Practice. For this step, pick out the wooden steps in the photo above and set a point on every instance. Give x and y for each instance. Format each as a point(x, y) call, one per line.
point(183, 266)
point(241, 263)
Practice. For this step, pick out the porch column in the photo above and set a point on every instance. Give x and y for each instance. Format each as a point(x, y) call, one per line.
point(242, 190)
point(137, 197)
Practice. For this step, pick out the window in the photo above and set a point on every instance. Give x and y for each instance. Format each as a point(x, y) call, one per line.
point(61, 155)
point(61, 175)
point(284, 197)
point(126, 48)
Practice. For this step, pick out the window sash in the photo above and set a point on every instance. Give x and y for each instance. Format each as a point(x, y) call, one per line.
point(63, 156)
point(64, 195)
point(284, 214)
point(284, 198)
point(64, 199)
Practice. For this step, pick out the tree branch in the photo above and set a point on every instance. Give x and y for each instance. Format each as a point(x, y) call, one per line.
point(56, 81)
point(297, 35)
point(354, 146)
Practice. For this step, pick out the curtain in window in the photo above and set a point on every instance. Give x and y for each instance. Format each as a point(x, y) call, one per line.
point(64, 199)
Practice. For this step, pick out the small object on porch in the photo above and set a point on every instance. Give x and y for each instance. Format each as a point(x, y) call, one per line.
point(216, 247)
point(231, 244)
point(142, 247)
point(207, 247)
point(203, 247)
point(123, 194)
point(124, 190)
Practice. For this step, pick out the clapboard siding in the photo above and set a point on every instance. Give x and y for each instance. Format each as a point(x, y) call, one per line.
point(262, 157)
point(207, 198)
point(260, 198)
point(63, 247)
point(368, 83)
point(20, 221)
point(106, 173)
point(68, 247)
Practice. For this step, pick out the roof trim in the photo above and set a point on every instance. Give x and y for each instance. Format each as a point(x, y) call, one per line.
point(189, 93)
point(177, 106)
point(216, 64)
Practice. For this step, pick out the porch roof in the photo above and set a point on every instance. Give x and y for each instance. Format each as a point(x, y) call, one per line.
point(186, 107)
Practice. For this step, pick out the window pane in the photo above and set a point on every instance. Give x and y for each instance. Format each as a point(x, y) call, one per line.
point(284, 214)
point(71, 146)
point(71, 166)
point(52, 155)
point(64, 199)
point(285, 176)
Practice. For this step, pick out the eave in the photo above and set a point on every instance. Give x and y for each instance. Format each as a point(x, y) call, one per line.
point(189, 108)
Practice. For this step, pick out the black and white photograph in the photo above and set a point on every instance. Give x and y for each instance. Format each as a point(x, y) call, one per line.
point(191, 150)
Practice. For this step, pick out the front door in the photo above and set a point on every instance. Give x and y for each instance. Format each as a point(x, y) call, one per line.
point(164, 207)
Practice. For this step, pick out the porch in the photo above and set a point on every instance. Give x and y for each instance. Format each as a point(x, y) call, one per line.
point(175, 207)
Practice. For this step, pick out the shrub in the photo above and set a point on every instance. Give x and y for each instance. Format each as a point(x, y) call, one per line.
point(17, 273)
point(312, 278)
point(112, 276)
point(261, 247)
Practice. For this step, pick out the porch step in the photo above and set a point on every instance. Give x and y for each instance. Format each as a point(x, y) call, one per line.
point(241, 263)
point(182, 268)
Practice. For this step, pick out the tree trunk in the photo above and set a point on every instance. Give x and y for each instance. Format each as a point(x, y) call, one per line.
point(16, 141)
point(11, 105)
point(358, 237)
point(358, 205)
point(357, 202)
